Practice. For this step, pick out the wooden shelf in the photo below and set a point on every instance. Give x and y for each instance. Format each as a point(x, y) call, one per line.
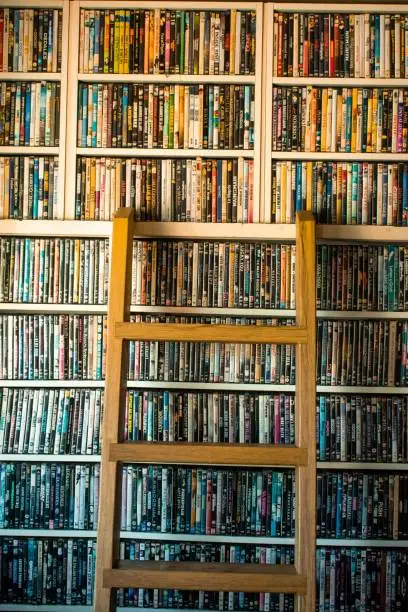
point(16, 307)
point(334, 156)
point(198, 576)
point(29, 76)
point(196, 332)
point(279, 232)
point(208, 454)
point(219, 539)
point(332, 542)
point(339, 82)
point(387, 6)
point(48, 533)
point(210, 386)
point(163, 153)
point(27, 150)
point(362, 465)
point(244, 79)
point(355, 390)
point(50, 384)
point(40, 458)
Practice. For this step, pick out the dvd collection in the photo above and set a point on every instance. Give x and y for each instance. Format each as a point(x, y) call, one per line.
point(362, 277)
point(30, 113)
point(355, 504)
point(52, 347)
point(51, 421)
point(362, 428)
point(204, 501)
point(54, 270)
point(198, 189)
point(228, 417)
point(210, 362)
point(166, 116)
point(341, 45)
point(205, 553)
point(350, 192)
point(361, 579)
point(213, 274)
point(207, 501)
point(344, 119)
point(42, 571)
point(167, 41)
point(361, 352)
point(49, 496)
point(28, 187)
point(30, 40)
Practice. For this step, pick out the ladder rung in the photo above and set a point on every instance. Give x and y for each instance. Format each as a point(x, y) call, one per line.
point(195, 332)
point(197, 576)
point(211, 454)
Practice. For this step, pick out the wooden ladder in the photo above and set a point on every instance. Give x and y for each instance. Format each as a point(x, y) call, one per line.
point(111, 573)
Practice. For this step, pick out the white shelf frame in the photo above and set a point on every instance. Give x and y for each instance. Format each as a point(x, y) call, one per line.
point(26, 307)
point(28, 458)
point(280, 232)
point(362, 465)
point(225, 386)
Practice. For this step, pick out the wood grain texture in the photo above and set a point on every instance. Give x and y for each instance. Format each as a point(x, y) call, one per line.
point(209, 454)
point(195, 332)
point(118, 310)
point(305, 408)
point(206, 576)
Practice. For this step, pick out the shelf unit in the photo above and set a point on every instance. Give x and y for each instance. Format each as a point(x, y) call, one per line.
point(61, 77)
point(65, 226)
point(345, 234)
point(75, 78)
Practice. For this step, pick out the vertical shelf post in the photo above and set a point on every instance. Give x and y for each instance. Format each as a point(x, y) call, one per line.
point(305, 539)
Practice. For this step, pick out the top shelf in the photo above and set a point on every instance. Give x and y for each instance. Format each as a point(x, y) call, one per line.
point(204, 231)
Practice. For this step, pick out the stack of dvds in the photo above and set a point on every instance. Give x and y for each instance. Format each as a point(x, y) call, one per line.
point(347, 119)
point(54, 270)
point(167, 41)
point(361, 578)
point(211, 362)
point(207, 501)
point(30, 40)
point(31, 111)
point(49, 496)
point(51, 421)
point(362, 277)
point(362, 428)
point(213, 274)
point(361, 352)
point(181, 416)
point(166, 116)
point(28, 187)
point(47, 571)
point(198, 189)
point(341, 45)
point(52, 347)
point(349, 192)
point(361, 505)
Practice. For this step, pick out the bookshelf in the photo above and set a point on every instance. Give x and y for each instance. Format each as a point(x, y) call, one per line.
point(64, 224)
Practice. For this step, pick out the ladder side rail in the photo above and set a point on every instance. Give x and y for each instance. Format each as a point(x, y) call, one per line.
point(115, 388)
point(305, 525)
